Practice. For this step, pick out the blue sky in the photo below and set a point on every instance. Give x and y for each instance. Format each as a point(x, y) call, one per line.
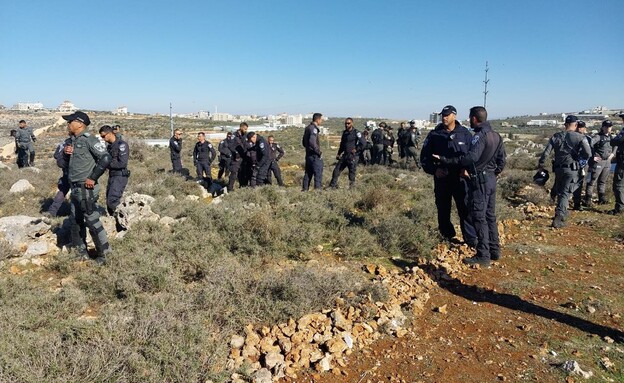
point(395, 59)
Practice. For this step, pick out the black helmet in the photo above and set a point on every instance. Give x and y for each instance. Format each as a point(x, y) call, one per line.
point(541, 177)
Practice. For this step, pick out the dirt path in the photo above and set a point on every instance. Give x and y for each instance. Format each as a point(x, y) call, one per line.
point(556, 296)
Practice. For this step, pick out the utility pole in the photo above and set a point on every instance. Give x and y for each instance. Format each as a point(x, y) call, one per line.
point(171, 119)
point(485, 91)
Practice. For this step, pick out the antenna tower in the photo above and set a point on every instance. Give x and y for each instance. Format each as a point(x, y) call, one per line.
point(485, 91)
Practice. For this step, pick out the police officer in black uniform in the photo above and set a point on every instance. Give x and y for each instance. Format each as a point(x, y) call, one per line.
point(600, 164)
point(276, 152)
point(62, 185)
point(411, 146)
point(581, 127)
point(377, 137)
point(618, 176)
point(483, 162)
point(225, 155)
point(175, 150)
point(238, 148)
point(449, 139)
point(401, 139)
point(87, 161)
point(351, 144)
point(388, 146)
point(203, 155)
point(262, 158)
point(118, 172)
point(568, 148)
point(313, 161)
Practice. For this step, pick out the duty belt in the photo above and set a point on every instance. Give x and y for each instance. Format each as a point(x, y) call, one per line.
point(573, 166)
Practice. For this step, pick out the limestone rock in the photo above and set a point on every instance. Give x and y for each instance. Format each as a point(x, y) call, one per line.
point(3, 166)
point(21, 186)
point(22, 232)
point(237, 341)
point(262, 376)
point(37, 248)
point(135, 208)
point(272, 359)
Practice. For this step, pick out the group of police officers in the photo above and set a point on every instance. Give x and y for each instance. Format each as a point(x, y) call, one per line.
point(580, 157)
point(244, 156)
point(464, 167)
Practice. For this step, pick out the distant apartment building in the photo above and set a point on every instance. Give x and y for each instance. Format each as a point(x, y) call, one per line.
point(26, 106)
point(542, 122)
point(222, 117)
point(67, 107)
point(204, 115)
point(434, 118)
point(296, 119)
point(122, 111)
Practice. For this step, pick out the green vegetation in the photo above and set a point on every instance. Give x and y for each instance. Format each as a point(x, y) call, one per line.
point(170, 298)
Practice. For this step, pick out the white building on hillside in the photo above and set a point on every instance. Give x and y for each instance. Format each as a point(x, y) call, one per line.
point(222, 117)
point(122, 111)
point(294, 120)
point(67, 107)
point(26, 106)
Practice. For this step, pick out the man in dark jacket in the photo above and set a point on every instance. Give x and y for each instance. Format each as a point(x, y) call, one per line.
point(449, 139)
point(378, 146)
point(484, 161)
point(175, 149)
point(203, 155)
point(351, 144)
point(238, 148)
point(313, 161)
point(225, 156)
point(262, 159)
point(568, 149)
point(118, 169)
point(277, 152)
point(63, 182)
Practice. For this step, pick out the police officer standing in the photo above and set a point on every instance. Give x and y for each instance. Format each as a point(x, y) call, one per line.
point(483, 162)
point(449, 139)
point(175, 149)
point(402, 139)
point(568, 148)
point(118, 169)
point(117, 133)
point(618, 176)
point(377, 137)
point(581, 127)
point(262, 159)
point(87, 161)
point(600, 164)
point(388, 146)
point(351, 144)
point(203, 155)
point(238, 148)
point(24, 139)
point(411, 145)
point(365, 155)
point(225, 155)
point(313, 161)
point(63, 181)
point(276, 152)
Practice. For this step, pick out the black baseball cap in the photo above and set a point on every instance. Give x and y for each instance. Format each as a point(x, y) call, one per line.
point(78, 115)
point(570, 119)
point(448, 110)
point(607, 123)
point(581, 124)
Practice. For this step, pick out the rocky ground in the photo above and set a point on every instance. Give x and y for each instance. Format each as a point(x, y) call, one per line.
point(549, 311)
